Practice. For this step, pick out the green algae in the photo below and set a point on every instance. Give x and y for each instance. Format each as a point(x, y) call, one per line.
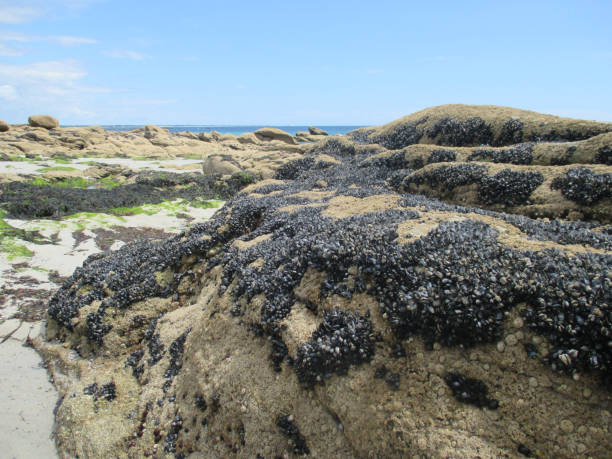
point(57, 169)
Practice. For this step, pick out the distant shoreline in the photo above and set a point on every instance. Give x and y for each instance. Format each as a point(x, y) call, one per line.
point(229, 129)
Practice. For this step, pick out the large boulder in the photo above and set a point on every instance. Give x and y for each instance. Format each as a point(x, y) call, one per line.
point(43, 121)
point(151, 131)
point(268, 134)
point(329, 311)
point(4, 126)
point(248, 138)
point(316, 131)
point(472, 125)
point(220, 164)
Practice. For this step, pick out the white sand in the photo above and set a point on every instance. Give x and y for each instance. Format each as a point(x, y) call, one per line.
point(27, 398)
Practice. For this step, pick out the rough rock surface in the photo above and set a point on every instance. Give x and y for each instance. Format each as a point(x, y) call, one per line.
point(268, 134)
point(329, 312)
point(43, 121)
point(148, 142)
point(316, 131)
point(472, 125)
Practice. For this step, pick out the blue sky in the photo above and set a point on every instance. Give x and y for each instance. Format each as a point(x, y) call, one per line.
point(285, 62)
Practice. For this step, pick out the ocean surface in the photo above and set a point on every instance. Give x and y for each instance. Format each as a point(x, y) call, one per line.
point(236, 130)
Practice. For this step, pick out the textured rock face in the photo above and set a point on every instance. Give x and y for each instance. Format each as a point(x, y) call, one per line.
point(472, 125)
point(4, 126)
point(269, 134)
point(43, 121)
point(316, 131)
point(329, 311)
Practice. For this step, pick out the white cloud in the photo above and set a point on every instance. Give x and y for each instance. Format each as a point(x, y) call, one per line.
point(126, 54)
point(65, 40)
point(8, 92)
point(21, 11)
point(65, 71)
point(18, 14)
point(8, 51)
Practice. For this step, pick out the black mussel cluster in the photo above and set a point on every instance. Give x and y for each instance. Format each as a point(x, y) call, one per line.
point(106, 391)
point(286, 425)
point(521, 154)
point(335, 146)
point(471, 391)
point(399, 136)
point(172, 435)
point(24, 200)
point(452, 286)
point(176, 350)
point(342, 339)
point(442, 156)
point(448, 177)
point(460, 133)
point(511, 132)
point(133, 361)
point(583, 186)
point(604, 155)
point(509, 187)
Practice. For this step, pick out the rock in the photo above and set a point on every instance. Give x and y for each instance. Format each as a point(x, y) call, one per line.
point(205, 137)
point(471, 125)
point(282, 324)
point(151, 131)
point(43, 121)
point(269, 134)
point(302, 134)
point(219, 164)
point(248, 138)
point(4, 126)
point(316, 131)
point(227, 138)
point(63, 175)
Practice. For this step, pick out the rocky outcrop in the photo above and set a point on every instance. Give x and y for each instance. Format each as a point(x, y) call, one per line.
point(568, 192)
point(304, 136)
point(472, 125)
point(151, 131)
point(4, 126)
point(43, 121)
point(269, 134)
point(316, 131)
point(220, 164)
point(328, 311)
point(595, 150)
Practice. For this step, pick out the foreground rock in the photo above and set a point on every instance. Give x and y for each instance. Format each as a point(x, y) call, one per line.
point(43, 121)
point(472, 125)
point(321, 312)
point(4, 126)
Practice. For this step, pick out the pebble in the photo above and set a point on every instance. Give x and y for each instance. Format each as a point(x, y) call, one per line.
point(437, 346)
point(501, 346)
point(533, 382)
point(581, 448)
point(518, 322)
point(586, 393)
point(511, 340)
